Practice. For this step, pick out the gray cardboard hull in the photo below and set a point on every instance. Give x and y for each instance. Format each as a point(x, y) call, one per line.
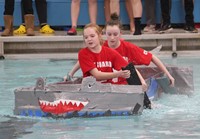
point(89, 99)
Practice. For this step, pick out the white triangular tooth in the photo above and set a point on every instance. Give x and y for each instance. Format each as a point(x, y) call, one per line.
point(73, 102)
point(84, 103)
point(44, 102)
point(53, 103)
point(40, 101)
point(78, 103)
point(48, 103)
point(67, 101)
point(57, 102)
point(63, 101)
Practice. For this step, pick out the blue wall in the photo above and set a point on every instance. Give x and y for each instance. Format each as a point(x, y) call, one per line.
point(59, 12)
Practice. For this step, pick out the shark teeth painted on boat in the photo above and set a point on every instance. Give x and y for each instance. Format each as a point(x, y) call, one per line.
point(61, 106)
point(55, 103)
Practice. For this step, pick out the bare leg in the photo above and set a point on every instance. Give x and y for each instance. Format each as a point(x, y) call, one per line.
point(137, 8)
point(150, 12)
point(75, 9)
point(92, 10)
point(114, 6)
point(137, 12)
point(130, 15)
point(107, 10)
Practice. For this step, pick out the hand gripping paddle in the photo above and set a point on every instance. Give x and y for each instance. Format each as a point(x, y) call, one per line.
point(135, 80)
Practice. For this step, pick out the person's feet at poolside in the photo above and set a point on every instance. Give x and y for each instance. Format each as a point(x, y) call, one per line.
point(46, 29)
point(21, 30)
point(137, 22)
point(165, 28)
point(190, 29)
point(137, 32)
point(72, 31)
point(149, 28)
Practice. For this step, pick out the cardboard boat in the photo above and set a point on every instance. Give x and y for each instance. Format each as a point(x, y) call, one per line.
point(79, 98)
point(88, 98)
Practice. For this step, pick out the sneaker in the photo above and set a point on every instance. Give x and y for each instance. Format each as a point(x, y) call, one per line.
point(72, 31)
point(190, 29)
point(21, 30)
point(197, 25)
point(149, 28)
point(165, 28)
point(46, 29)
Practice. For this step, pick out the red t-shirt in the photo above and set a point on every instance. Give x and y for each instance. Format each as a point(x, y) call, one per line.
point(105, 61)
point(133, 53)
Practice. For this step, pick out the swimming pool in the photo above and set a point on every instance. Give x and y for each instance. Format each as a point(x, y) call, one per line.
point(175, 116)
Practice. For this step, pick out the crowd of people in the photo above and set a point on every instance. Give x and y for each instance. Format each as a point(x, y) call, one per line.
point(27, 27)
point(134, 11)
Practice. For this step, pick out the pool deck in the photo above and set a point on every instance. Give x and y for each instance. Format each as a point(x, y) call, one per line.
point(162, 54)
point(60, 45)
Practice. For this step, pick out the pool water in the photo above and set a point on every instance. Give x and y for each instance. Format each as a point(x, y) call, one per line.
point(175, 116)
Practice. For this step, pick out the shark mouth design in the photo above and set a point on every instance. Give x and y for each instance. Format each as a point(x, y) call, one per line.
point(62, 106)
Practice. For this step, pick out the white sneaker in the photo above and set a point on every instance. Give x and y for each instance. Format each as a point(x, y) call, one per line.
point(149, 28)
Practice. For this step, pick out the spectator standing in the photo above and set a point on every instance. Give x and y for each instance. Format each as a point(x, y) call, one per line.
point(41, 7)
point(137, 13)
point(129, 9)
point(113, 6)
point(107, 10)
point(75, 9)
point(8, 17)
point(150, 15)
point(189, 17)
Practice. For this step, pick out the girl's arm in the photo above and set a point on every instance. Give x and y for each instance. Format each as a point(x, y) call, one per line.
point(143, 82)
point(159, 64)
point(109, 75)
point(75, 68)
